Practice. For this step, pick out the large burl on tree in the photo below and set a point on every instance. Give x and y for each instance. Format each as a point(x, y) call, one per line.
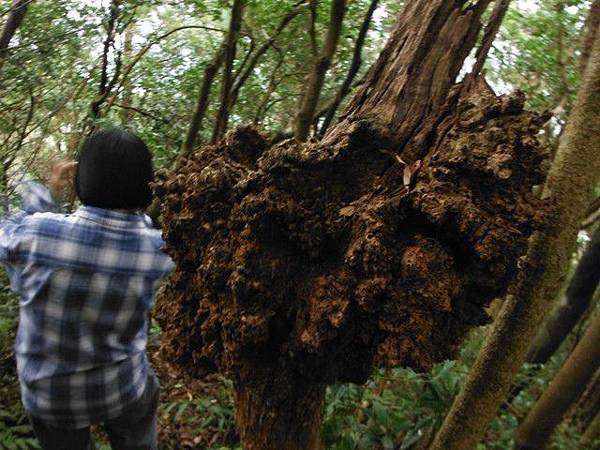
point(305, 264)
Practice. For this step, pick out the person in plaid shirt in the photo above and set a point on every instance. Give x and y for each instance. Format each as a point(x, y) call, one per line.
point(87, 282)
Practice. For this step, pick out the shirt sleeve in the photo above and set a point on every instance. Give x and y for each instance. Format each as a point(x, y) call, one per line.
point(34, 197)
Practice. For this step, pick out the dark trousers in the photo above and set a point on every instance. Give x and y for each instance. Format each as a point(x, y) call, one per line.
point(134, 429)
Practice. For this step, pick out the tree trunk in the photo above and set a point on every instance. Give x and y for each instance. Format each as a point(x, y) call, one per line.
point(411, 79)
point(491, 30)
point(566, 387)
point(15, 18)
point(592, 23)
point(126, 112)
point(569, 191)
point(279, 415)
point(310, 96)
point(210, 72)
point(230, 50)
point(352, 72)
point(106, 85)
point(305, 264)
point(572, 306)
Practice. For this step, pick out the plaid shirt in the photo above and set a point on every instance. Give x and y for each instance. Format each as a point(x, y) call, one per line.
point(87, 282)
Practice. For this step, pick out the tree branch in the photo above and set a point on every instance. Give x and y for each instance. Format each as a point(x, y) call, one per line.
point(129, 67)
point(210, 73)
point(232, 36)
point(243, 76)
point(310, 96)
point(331, 108)
point(15, 18)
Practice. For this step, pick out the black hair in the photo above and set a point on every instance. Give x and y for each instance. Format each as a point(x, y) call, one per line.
point(114, 171)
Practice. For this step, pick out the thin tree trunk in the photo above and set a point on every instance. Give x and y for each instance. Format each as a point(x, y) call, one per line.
point(489, 35)
point(230, 51)
point(353, 71)
point(13, 22)
point(106, 85)
point(566, 387)
point(210, 72)
point(310, 96)
point(312, 29)
point(591, 28)
point(126, 112)
point(569, 190)
point(273, 83)
point(573, 305)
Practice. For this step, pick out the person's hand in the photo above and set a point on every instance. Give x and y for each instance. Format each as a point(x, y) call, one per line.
point(61, 180)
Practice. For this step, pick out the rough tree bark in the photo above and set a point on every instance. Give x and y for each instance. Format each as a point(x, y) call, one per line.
point(571, 307)
point(491, 30)
point(13, 22)
point(230, 50)
point(568, 191)
point(568, 384)
point(305, 264)
point(314, 83)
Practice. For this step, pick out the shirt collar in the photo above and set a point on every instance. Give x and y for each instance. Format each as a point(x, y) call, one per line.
point(111, 218)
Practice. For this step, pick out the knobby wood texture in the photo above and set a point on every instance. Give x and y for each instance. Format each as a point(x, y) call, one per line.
point(304, 264)
point(568, 192)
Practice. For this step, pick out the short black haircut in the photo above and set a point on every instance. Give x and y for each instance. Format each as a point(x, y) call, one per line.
point(114, 171)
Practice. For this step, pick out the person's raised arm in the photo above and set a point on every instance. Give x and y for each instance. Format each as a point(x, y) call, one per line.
point(36, 197)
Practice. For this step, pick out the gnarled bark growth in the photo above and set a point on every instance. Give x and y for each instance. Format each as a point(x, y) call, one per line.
point(301, 265)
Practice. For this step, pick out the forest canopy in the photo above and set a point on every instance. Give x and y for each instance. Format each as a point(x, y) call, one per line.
point(158, 52)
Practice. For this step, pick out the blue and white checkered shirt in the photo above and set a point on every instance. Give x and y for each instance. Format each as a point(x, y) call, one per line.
point(87, 282)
